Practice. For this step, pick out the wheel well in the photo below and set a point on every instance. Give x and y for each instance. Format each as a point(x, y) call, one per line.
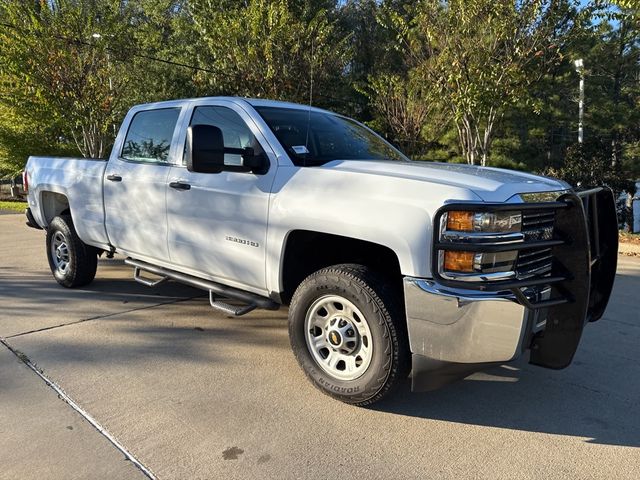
point(307, 252)
point(53, 204)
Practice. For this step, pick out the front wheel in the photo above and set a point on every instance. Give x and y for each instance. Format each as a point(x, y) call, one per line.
point(347, 331)
point(72, 262)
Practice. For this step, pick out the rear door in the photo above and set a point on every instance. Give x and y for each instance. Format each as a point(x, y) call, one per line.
point(135, 184)
point(217, 228)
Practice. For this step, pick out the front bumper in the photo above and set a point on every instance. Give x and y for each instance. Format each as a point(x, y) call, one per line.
point(456, 327)
point(454, 332)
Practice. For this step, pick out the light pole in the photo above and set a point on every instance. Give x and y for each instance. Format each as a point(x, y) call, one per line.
point(579, 64)
point(98, 36)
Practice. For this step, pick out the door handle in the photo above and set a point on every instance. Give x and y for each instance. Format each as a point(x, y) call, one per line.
point(114, 178)
point(180, 185)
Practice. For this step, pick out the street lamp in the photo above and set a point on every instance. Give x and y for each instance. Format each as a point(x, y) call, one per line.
point(579, 64)
point(98, 36)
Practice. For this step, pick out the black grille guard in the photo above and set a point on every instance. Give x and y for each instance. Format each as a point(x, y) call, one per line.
point(585, 253)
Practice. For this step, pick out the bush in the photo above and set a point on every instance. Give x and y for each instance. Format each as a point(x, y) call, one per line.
point(590, 165)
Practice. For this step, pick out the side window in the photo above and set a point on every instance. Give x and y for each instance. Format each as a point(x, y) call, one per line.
point(149, 136)
point(235, 132)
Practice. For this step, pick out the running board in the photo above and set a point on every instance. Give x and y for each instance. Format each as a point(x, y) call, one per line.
point(234, 310)
point(145, 281)
point(252, 300)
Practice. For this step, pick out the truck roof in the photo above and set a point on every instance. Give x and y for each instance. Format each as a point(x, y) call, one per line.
point(254, 102)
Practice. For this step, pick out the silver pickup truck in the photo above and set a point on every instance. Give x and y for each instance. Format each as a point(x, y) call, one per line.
point(389, 267)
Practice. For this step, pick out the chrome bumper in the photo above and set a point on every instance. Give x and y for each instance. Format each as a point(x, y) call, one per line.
point(453, 332)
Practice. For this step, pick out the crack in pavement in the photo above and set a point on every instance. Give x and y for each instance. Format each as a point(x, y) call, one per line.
point(97, 317)
point(66, 398)
point(78, 409)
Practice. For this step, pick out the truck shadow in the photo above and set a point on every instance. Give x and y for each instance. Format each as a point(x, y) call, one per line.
point(597, 397)
point(111, 283)
point(519, 397)
point(595, 400)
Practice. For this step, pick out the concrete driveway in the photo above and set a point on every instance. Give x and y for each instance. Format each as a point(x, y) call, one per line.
point(190, 394)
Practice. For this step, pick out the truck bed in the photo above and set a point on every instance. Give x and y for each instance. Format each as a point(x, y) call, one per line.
point(80, 181)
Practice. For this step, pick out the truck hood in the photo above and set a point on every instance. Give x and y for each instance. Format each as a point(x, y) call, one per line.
point(490, 184)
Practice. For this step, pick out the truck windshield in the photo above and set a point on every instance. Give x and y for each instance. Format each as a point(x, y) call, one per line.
point(315, 138)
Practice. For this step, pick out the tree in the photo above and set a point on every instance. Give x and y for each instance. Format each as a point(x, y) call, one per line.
point(267, 49)
point(589, 165)
point(401, 105)
point(164, 62)
point(480, 57)
point(21, 137)
point(613, 88)
point(57, 70)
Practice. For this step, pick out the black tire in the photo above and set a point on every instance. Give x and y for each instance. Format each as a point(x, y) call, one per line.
point(383, 310)
point(82, 259)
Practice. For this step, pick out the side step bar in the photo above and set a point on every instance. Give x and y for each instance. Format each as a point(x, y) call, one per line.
point(252, 300)
point(230, 309)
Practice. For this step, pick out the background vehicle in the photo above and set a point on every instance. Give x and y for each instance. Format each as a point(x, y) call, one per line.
point(389, 266)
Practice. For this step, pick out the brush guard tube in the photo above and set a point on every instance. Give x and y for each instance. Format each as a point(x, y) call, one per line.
point(589, 258)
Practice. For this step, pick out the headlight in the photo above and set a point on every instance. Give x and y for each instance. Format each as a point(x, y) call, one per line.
point(490, 222)
point(481, 228)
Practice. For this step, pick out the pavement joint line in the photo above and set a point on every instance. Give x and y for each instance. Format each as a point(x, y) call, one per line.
point(621, 322)
point(83, 413)
point(98, 317)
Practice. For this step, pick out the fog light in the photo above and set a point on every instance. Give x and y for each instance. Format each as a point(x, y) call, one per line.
point(458, 261)
point(495, 262)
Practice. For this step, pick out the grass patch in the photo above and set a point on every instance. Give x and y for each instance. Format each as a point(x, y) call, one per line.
point(17, 207)
point(630, 238)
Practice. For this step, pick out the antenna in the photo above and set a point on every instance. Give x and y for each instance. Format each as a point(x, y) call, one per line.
point(306, 142)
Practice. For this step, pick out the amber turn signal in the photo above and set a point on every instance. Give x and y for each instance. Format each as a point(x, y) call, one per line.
point(460, 221)
point(458, 261)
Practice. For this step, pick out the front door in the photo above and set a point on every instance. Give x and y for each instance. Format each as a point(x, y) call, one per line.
point(135, 185)
point(217, 228)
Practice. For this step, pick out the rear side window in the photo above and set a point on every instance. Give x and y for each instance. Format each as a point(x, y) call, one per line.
point(149, 136)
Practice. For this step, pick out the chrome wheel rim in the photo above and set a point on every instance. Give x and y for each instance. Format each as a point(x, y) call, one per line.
point(338, 337)
point(60, 252)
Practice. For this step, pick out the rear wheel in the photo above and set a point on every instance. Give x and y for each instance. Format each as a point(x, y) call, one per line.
point(72, 262)
point(347, 330)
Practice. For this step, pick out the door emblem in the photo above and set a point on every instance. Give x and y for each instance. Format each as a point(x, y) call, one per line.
point(242, 241)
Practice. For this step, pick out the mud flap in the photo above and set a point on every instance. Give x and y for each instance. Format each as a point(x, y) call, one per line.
point(588, 259)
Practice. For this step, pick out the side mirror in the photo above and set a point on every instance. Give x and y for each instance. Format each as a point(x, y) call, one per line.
point(205, 153)
point(205, 149)
point(252, 162)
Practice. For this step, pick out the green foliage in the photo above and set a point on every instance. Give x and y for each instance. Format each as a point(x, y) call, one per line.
point(160, 30)
point(478, 58)
point(475, 81)
point(18, 207)
point(20, 137)
point(55, 70)
point(589, 165)
point(70, 70)
point(264, 48)
point(403, 108)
